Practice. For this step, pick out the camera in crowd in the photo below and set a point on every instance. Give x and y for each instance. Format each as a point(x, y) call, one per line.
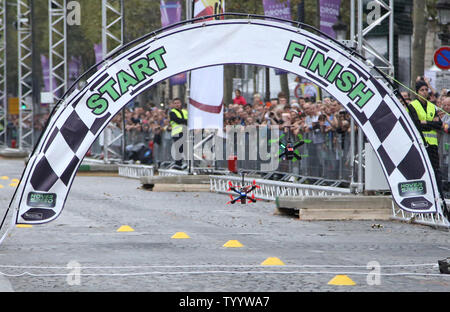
point(316, 126)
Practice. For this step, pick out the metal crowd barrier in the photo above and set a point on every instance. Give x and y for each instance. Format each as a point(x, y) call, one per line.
point(135, 171)
point(172, 172)
point(432, 219)
point(328, 161)
point(270, 190)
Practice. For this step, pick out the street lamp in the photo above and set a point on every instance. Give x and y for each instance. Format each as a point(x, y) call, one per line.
point(443, 11)
point(340, 28)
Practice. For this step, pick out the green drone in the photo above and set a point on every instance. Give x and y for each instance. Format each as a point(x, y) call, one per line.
point(288, 149)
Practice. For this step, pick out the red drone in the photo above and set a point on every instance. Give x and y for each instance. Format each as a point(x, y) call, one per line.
point(243, 192)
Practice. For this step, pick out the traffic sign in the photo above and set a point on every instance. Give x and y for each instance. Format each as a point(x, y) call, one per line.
point(442, 58)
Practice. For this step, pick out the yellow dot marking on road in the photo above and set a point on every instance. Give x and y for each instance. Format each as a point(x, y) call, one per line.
point(343, 280)
point(125, 228)
point(233, 244)
point(15, 180)
point(24, 225)
point(272, 261)
point(180, 235)
point(4, 178)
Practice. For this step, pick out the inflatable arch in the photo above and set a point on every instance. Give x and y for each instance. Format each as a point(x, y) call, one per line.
point(82, 114)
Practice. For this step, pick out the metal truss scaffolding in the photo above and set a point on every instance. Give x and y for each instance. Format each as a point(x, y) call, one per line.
point(364, 47)
point(112, 26)
point(358, 35)
point(57, 48)
point(3, 90)
point(112, 40)
point(386, 65)
point(25, 81)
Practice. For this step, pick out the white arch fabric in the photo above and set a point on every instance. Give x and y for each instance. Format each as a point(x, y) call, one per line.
point(50, 171)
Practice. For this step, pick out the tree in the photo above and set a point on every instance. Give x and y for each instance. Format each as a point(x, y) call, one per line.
point(418, 41)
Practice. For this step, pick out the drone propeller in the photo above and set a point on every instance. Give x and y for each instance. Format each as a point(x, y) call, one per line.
point(232, 187)
point(299, 143)
point(232, 201)
point(253, 199)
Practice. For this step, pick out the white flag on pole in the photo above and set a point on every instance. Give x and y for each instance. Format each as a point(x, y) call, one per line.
point(206, 87)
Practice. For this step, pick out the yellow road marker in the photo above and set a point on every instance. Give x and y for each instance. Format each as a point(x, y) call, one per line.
point(24, 225)
point(233, 244)
point(4, 178)
point(125, 228)
point(1, 186)
point(341, 280)
point(272, 261)
point(15, 180)
point(13, 184)
point(180, 235)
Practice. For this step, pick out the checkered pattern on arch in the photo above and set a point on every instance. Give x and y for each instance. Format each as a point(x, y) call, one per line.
point(388, 132)
point(65, 148)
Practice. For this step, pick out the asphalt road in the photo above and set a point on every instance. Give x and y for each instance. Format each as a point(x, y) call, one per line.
point(82, 250)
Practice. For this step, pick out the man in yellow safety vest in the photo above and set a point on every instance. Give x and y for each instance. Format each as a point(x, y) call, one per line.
point(178, 119)
point(429, 123)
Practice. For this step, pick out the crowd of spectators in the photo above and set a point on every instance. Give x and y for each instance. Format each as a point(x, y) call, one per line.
point(325, 122)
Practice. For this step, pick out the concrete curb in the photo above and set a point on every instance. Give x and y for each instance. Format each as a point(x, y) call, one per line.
point(98, 168)
point(181, 179)
point(13, 153)
point(180, 188)
point(185, 183)
point(89, 165)
point(336, 207)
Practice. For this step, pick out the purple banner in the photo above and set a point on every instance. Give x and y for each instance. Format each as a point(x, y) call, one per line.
point(45, 64)
point(274, 8)
point(45, 72)
point(98, 54)
point(179, 79)
point(329, 12)
point(170, 14)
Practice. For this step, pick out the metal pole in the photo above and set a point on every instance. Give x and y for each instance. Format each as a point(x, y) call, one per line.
point(50, 49)
point(362, 47)
point(360, 134)
point(352, 121)
point(24, 54)
point(124, 134)
point(352, 22)
point(391, 38)
point(104, 53)
point(66, 73)
point(104, 48)
point(117, 42)
point(189, 15)
point(3, 85)
point(57, 48)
